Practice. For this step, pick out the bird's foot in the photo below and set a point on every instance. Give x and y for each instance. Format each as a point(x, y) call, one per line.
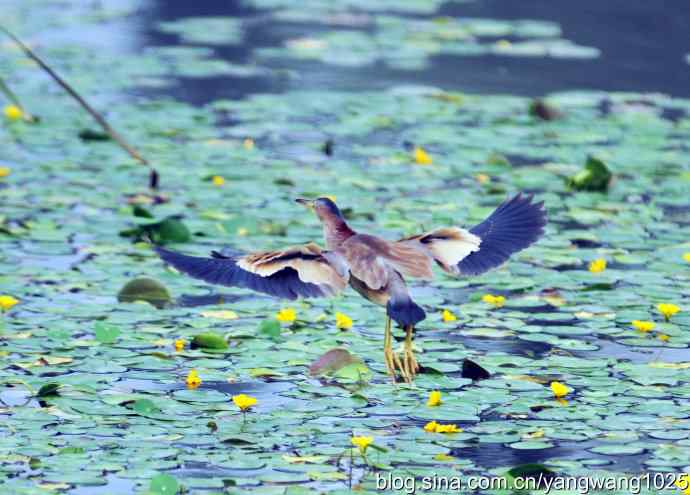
point(389, 357)
point(409, 363)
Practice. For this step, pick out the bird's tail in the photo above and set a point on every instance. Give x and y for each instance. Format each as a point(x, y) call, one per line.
point(405, 311)
point(513, 226)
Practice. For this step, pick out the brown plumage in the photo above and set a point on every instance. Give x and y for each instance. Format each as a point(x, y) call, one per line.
point(372, 266)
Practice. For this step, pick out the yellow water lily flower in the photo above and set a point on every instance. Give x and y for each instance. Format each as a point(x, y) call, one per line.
point(362, 443)
point(5, 171)
point(13, 112)
point(598, 265)
point(8, 302)
point(686, 257)
point(496, 301)
point(434, 427)
point(421, 157)
point(342, 321)
point(217, 180)
point(664, 338)
point(559, 390)
point(434, 399)
point(193, 379)
point(244, 402)
point(643, 326)
point(667, 309)
point(286, 315)
point(448, 316)
point(482, 178)
point(179, 344)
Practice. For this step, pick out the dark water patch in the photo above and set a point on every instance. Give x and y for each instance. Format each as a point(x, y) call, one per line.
point(192, 301)
point(113, 484)
point(504, 345)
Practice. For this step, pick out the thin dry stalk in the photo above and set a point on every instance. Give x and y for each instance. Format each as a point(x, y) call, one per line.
point(72, 92)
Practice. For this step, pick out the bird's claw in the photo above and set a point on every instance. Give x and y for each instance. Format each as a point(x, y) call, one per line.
point(407, 366)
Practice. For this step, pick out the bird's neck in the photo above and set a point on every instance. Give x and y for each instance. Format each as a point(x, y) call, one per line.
point(336, 231)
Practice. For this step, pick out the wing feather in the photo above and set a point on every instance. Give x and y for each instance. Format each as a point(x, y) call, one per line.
point(300, 271)
point(447, 246)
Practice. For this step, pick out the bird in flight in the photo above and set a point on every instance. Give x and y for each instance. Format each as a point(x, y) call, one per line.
point(372, 266)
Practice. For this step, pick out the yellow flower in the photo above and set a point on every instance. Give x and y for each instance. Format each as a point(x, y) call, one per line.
point(434, 399)
point(559, 390)
point(362, 443)
point(342, 321)
point(496, 301)
point(430, 426)
point(7, 302)
point(193, 379)
point(217, 180)
point(286, 315)
point(643, 326)
point(5, 171)
point(243, 401)
point(434, 427)
point(248, 144)
point(597, 266)
point(179, 344)
point(448, 316)
point(421, 157)
point(683, 482)
point(482, 178)
point(686, 257)
point(13, 112)
point(664, 338)
point(667, 309)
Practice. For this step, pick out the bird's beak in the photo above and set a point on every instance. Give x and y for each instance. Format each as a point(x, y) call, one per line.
point(309, 203)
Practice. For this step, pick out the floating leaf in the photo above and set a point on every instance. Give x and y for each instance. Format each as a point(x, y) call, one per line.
point(271, 328)
point(91, 135)
point(332, 361)
point(163, 484)
point(48, 390)
point(145, 406)
point(145, 289)
point(473, 371)
point(106, 333)
point(167, 231)
point(209, 340)
point(594, 177)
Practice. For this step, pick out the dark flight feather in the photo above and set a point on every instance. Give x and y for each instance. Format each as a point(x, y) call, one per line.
point(223, 270)
point(513, 226)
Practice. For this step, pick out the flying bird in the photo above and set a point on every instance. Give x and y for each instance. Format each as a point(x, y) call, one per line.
point(372, 266)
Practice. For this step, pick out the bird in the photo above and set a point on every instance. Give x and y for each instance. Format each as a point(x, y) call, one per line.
point(374, 267)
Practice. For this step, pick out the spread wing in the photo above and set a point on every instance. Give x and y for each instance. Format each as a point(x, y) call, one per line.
point(299, 271)
point(513, 226)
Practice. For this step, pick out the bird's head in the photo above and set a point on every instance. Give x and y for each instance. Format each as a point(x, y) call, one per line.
point(324, 208)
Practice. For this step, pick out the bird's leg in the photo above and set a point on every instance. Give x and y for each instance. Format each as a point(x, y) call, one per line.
point(388, 350)
point(411, 366)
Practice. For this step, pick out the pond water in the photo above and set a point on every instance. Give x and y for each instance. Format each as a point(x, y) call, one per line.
point(255, 92)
